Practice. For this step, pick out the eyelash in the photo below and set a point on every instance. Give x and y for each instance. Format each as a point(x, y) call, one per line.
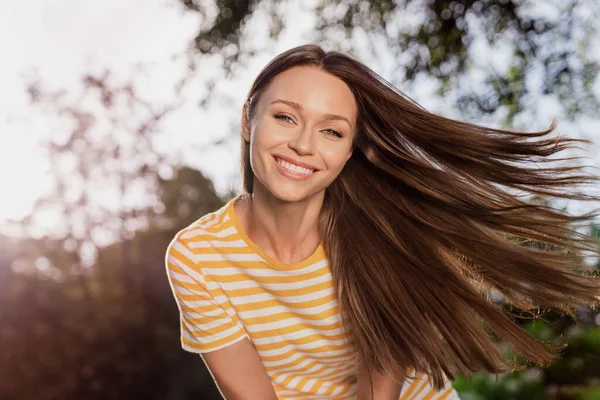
point(281, 116)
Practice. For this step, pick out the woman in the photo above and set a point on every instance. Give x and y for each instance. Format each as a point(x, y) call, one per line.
point(358, 261)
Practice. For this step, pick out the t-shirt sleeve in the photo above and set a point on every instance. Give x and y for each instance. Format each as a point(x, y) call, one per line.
point(420, 388)
point(204, 324)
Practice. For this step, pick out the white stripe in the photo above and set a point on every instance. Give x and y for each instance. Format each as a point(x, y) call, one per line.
point(192, 233)
point(295, 356)
point(207, 221)
point(325, 385)
point(213, 348)
point(249, 283)
point(255, 298)
point(218, 312)
point(207, 339)
point(294, 336)
point(331, 381)
point(232, 270)
point(187, 253)
point(210, 325)
point(267, 326)
point(216, 301)
point(189, 271)
point(229, 257)
point(265, 312)
point(281, 377)
point(213, 218)
point(181, 277)
point(298, 367)
point(194, 315)
point(304, 346)
point(323, 356)
point(198, 303)
point(308, 385)
point(218, 244)
point(423, 386)
point(183, 290)
point(453, 395)
point(337, 390)
point(292, 358)
point(344, 372)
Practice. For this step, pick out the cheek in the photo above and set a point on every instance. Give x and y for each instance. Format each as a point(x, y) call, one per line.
point(335, 158)
point(266, 135)
point(262, 141)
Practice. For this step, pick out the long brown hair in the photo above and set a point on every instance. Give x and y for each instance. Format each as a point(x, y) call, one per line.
point(420, 228)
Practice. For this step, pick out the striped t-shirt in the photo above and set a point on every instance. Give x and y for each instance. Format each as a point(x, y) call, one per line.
point(227, 289)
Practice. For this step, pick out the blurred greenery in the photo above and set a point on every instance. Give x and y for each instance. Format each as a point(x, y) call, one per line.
point(95, 334)
point(87, 312)
point(575, 375)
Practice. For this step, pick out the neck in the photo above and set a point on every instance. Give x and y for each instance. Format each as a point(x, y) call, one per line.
point(287, 231)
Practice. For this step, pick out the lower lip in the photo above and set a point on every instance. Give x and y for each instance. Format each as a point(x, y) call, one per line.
point(289, 174)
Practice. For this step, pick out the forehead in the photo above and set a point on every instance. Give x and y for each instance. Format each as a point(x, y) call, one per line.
point(315, 89)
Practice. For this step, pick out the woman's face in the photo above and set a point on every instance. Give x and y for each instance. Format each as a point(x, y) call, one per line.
point(301, 134)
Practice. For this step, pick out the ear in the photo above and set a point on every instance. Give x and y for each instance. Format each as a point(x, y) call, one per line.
point(245, 123)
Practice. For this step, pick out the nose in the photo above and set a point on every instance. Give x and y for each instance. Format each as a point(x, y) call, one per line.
point(303, 142)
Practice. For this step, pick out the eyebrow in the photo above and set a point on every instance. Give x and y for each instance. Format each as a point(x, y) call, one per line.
point(298, 107)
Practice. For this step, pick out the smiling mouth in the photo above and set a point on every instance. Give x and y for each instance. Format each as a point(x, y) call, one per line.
point(294, 169)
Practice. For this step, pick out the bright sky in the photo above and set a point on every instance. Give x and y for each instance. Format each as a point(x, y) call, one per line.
point(60, 40)
point(63, 39)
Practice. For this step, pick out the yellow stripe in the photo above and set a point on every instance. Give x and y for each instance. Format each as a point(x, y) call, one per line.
point(269, 279)
point(213, 344)
point(259, 305)
point(292, 329)
point(446, 394)
point(235, 293)
point(331, 312)
point(305, 340)
point(289, 353)
point(443, 396)
point(411, 388)
point(423, 386)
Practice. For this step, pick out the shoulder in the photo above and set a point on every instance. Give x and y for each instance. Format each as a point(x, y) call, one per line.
point(188, 243)
point(203, 229)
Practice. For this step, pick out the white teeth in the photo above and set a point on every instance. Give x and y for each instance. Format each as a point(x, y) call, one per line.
point(294, 168)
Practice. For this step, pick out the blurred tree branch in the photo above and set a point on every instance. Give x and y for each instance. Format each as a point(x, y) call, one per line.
point(438, 45)
point(105, 166)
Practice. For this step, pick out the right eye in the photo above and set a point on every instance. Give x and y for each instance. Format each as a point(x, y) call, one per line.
point(283, 117)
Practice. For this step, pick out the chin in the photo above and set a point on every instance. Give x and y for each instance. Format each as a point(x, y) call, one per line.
point(290, 195)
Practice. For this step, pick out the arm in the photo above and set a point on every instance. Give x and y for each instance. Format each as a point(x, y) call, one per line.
point(209, 330)
point(238, 372)
point(384, 386)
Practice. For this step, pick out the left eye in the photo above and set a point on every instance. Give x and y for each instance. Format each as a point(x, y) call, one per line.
point(283, 117)
point(334, 133)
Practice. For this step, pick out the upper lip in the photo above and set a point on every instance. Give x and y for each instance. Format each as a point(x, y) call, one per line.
point(292, 161)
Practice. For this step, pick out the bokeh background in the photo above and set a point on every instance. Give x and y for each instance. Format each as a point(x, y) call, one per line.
point(119, 125)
